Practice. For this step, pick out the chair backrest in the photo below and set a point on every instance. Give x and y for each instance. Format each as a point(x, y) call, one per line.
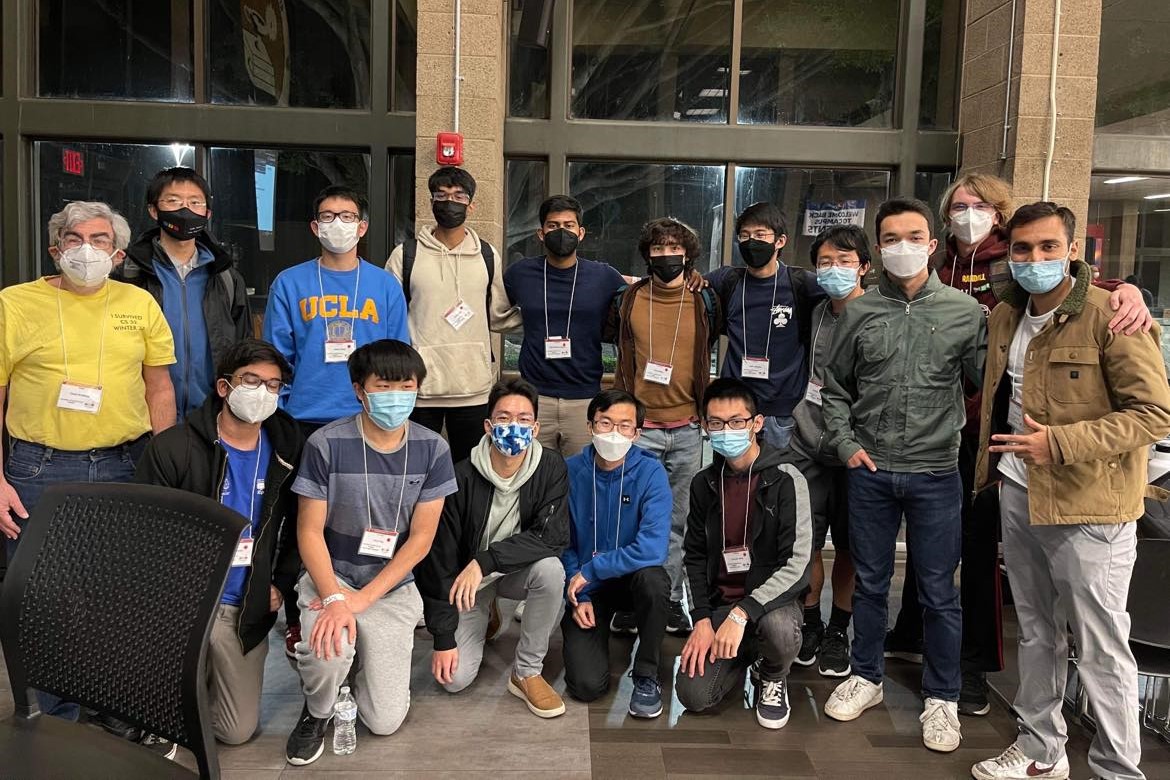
point(109, 602)
point(1148, 614)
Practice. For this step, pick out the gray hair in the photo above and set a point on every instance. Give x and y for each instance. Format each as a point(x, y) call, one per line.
point(78, 211)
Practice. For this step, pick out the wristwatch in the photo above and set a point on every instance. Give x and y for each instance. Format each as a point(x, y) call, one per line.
point(330, 599)
point(734, 618)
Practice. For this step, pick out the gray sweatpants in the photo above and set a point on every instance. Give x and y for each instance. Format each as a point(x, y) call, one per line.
point(381, 680)
point(542, 585)
point(1076, 574)
point(234, 679)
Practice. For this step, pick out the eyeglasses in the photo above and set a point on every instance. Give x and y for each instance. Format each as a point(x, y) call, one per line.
point(758, 235)
point(458, 197)
point(959, 208)
point(348, 217)
point(73, 241)
point(836, 263)
point(507, 419)
point(605, 425)
point(174, 203)
point(735, 423)
point(251, 381)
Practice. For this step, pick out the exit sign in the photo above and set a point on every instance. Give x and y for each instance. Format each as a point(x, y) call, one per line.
point(72, 162)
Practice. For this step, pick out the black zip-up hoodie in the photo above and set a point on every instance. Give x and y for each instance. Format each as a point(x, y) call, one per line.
point(189, 457)
point(544, 533)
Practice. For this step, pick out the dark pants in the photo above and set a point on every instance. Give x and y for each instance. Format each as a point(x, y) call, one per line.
point(979, 579)
point(464, 426)
point(932, 504)
point(646, 593)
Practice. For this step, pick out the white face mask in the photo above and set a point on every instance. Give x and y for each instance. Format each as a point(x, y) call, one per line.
point(905, 259)
point(85, 266)
point(252, 404)
point(972, 226)
point(611, 446)
point(338, 237)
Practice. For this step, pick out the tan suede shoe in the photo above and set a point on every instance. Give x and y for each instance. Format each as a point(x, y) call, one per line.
point(538, 695)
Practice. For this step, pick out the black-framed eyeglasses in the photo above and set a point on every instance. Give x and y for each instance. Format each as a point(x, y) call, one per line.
point(251, 381)
point(348, 217)
point(735, 423)
point(605, 425)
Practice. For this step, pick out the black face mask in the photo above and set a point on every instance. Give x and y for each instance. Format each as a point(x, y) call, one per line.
point(756, 253)
point(183, 224)
point(449, 214)
point(667, 269)
point(561, 242)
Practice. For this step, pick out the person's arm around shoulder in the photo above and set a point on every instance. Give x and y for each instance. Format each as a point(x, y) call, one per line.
point(504, 316)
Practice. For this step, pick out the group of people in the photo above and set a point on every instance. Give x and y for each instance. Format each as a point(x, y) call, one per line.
point(389, 478)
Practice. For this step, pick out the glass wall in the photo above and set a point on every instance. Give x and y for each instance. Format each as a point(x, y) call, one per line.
point(525, 188)
point(1128, 230)
point(1133, 72)
point(528, 66)
point(942, 49)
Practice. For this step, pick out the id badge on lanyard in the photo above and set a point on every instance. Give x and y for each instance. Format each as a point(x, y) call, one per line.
point(243, 554)
point(755, 368)
point(77, 397)
point(737, 559)
point(658, 373)
point(558, 349)
point(458, 315)
point(378, 543)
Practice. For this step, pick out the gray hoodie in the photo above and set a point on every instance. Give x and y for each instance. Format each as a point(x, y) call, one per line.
point(504, 515)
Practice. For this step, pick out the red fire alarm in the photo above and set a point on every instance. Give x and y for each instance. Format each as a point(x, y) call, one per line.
point(449, 149)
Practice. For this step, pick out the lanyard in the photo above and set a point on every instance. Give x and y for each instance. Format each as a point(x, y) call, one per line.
point(321, 306)
point(747, 504)
point(681, 300)
point(101, 342)
point(366, 474)
point(743, 311)
point(572, 296)
point(621, 486)
point(812, 352)
point(255, 478)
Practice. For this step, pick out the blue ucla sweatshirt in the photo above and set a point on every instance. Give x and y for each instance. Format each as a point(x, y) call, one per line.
point(193, 371)
point(300, 303)
point(645, 502)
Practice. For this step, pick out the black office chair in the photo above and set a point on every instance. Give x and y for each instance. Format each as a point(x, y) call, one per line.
point(109, 603)
point(1149, 634)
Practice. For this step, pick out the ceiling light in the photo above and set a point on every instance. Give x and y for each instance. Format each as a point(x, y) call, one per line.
point(1125, 179)
point(1158, 197)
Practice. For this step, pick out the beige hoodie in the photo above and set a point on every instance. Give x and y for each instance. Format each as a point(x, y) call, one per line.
point(460, 369)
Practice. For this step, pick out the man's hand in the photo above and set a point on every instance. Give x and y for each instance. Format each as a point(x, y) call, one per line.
point(274, 598)
point(10, 502)
point(698, 650)
point(1132, 314)
point(577, 582)
point(1032, 448)
point(859, 459)
point(696, 281)
point(462, 595)
point(330, 628)
point(583, 615)
point(443, 665)
point(729, 635)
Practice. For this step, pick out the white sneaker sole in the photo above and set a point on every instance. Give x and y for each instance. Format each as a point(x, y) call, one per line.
point(939, 747)
point(772, 724)
point(307, 761)
point(980, 774)
point(809, 662)
point(845, 717)
point(645, 715)
point(835, 673)
point(519, 694)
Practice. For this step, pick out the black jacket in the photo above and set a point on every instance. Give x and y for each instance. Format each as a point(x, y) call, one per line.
point(780, 526)
point(189, 457)
point(544, 532)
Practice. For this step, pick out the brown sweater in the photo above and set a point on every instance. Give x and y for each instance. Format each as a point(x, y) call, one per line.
point(676, 401)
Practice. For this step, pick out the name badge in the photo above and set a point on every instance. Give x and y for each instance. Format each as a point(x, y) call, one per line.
point(458, 315)
point(812, 393)
point(558, 349)
point(80, 398)
point(339, 351)
point(378, 543)
point(755, 368)
point(737, 559)
point(243, 556)
point(658, 373)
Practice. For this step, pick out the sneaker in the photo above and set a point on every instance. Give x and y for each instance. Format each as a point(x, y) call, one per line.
point(156, 744)
point(1012, 764)
point(307, 741)
point(973, 695)
point(835, 653)
point(853, 697)
point(810, 643)
point(772, 709)
point(292, 635)
point(624, 624)
point(118, 727)
point(646, 700)
point(541, 699)
point(940, 725)
point(678, 622)
point(909, 651)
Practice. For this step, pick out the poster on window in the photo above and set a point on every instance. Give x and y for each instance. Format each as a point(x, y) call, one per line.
point(819, 216)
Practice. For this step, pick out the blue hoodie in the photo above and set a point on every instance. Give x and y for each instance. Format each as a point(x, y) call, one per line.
point(645, 518)
point(193, 371)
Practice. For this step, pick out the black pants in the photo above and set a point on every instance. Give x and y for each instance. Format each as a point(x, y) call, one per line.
point(646, 593)
point(464, 426)
point(979, 586)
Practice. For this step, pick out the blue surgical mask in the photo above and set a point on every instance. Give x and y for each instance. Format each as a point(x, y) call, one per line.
point(729, 443)
point(390, 409)
point(836, 281)
point(1041, 276)
point(512, 439)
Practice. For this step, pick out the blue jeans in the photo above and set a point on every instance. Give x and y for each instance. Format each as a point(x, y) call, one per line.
point(680, 450)
point(932, 504)
point(777, 431)
point(31, 468)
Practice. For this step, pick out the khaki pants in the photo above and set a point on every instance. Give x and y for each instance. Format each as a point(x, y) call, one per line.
point(234, 680)
point(564, 425)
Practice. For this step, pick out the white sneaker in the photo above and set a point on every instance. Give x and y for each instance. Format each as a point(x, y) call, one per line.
point(853, 697)
point(940, 725)
point(1012, 764)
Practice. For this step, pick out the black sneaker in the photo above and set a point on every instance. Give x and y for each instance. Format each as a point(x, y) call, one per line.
point(118, 727)
point(973, 694)
point(678, 622)
point(307, 741)
point(156, 744)
point(835, 653)
point(624, 624)
point(810, 643)
point(903, 649)
point(772, 709)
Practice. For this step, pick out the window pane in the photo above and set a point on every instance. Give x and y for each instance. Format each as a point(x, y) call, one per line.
point(116, 174)
point(401, 198)
point(405, 55)
point(651, 59)
point(525, 190)
point(940, 64)
point(824, 63)
point(1133, 72)
point(929, 187)
point(272, 53)
point(131, 50)
point(529, 66)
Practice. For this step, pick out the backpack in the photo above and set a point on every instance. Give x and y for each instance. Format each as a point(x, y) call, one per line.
point(410, 249)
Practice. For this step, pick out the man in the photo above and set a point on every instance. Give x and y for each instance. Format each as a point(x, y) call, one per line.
point(83, 368)
point(500, 535)
point(748, 546)
point(768, 307)
point(620, 504)
point(1069, 410)
point(455, 293)
point(192, 278)
point(664, 334)
point(239, 449)
point(842, 259)
point(893, 404)
point(371, 490)
point(563, 300)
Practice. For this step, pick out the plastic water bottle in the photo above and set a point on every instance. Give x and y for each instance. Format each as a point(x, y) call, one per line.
point(344, 724)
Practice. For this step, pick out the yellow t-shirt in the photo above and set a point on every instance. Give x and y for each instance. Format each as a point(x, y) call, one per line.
point(33, 357)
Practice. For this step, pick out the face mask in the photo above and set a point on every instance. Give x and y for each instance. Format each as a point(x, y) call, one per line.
point(561, 242)
point(756, 254)
point(1040, 277)
point(731, 444)
point(449, 214)
point(85, 266)
point(338, 237)
point(512, 439)
point(666, 267)
point(251, 404)
point(183, 224)
point(837, 282)
point(905, 259)
point(972, 226)
point(611, 446)
point(390, 409)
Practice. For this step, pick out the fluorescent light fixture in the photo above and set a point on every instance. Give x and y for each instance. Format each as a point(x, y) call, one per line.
point(1125, 179)
point(1158, 197)
point(1156, 211)
point(712, 111)
point(712, 93)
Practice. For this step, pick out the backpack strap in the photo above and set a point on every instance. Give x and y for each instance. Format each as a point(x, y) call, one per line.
point(409, 250)
point(489, 259)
